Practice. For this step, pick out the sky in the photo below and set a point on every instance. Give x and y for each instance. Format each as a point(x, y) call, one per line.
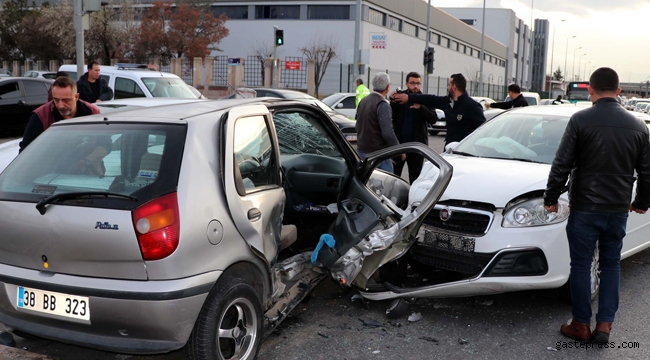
point(611, 33)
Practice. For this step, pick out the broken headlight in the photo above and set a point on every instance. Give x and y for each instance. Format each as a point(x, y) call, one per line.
point(532, 213)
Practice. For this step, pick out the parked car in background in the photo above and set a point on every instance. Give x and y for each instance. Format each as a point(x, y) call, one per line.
point(550, 102)
point(641, 105)
point(483, 100)
point(5, 73)
point(532, 98)
point(40, 74)
point(19, 96)
point(180, 235)
point(344, 103)
point(347, 126)
point(440, 125)
point(137, 81)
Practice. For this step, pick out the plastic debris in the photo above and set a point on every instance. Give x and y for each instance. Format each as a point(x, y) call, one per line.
point(485, 302)
point(371, 323)
point(397, 309)
point(415, 317)
point(463, 341)
point(429, 339)
point(551, 349)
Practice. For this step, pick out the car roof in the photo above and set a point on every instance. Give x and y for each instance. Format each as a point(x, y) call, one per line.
point(115, 70)
point(11, 78)
point(180, 111)
point(136, 103)
point(547, 110)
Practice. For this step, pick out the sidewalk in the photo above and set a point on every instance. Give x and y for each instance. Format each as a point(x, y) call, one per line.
point(9, 353)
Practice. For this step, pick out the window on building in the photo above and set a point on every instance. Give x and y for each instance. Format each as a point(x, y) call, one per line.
point(376, 17)
point(277, 12)
point(329, 12)
point(436, 39)
point(232, 12)
point(422, 34)
point(464, 49)
point(445, 42)
point(454, 45)
point(394, 23)
point(409, 29)
point(471, 22)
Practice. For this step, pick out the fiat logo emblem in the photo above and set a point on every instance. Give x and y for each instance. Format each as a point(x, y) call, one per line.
point(445, 213)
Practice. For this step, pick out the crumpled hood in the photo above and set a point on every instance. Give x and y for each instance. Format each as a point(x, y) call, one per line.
point(493, 181)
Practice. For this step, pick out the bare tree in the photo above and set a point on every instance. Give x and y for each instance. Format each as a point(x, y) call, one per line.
point(261, 51)
point(322, 51)
point(113, 30)
point(472, 76)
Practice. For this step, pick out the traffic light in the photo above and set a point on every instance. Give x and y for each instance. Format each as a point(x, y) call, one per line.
point(428, 59)
point(279, 37)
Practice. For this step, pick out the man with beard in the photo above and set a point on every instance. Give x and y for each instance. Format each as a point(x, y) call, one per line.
point(65, 104)
point(462, 113)
point(410, 124)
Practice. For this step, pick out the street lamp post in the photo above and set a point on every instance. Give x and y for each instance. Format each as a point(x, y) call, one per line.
point(580, 65)
point(588, 62)
point(550, 80)
point(566, 53)
point(480, 92)
point(573, 68)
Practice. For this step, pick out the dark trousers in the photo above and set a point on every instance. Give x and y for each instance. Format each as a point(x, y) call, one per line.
point(415, 162)
point(601, 232)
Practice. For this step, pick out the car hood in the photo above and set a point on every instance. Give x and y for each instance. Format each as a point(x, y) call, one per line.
point(8, 152)
point(493, 181)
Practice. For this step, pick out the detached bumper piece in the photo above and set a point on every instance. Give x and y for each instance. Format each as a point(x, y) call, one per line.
point(518, 263)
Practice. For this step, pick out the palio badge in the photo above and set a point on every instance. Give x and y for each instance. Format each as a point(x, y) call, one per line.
point(105, 226)
point(459, 117)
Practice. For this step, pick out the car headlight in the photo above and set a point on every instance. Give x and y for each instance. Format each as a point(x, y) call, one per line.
point(532, 213)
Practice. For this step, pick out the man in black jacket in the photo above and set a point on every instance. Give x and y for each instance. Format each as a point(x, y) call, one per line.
point(93, 88)
point(410, 124)
point(462, 113)
point(601, 148)
point(516, 99)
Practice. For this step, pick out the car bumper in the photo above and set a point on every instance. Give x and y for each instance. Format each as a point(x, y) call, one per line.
point(548, 241)
point(137, 317)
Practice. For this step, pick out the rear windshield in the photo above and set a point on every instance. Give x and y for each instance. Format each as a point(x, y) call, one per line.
point(140, 160)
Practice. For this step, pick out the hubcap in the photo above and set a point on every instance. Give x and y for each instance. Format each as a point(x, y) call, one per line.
point(237, 332)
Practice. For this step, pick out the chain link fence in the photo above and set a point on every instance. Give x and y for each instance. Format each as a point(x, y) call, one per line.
point(253, 71)
point(293, 73)
point(220, 70)
point(187, 69)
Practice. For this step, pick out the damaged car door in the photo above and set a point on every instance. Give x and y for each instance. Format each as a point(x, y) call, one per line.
point(372, 227)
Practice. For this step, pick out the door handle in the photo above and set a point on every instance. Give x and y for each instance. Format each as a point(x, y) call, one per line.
point(254, 214)
point(21, 102)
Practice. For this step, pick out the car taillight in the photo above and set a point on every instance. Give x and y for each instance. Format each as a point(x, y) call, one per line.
point(157, 226)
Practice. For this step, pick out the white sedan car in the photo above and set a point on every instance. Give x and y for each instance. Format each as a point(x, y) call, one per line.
point(489, 232)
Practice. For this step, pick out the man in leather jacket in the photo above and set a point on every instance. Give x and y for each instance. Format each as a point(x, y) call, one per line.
point(516, 99)
point(601, 148)
point(93, 88)
point(410, 124)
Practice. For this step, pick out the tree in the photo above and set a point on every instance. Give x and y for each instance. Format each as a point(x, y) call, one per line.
point(11, 16)
point(191, 32)
point(152, 35)
point(113, 31)
point(322, 51)
point(261, 51)
point(557, 75)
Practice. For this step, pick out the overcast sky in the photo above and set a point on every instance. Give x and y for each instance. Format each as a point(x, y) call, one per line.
point(614, 33)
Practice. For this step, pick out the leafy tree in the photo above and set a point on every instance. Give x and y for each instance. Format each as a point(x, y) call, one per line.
point(191, 32)
point(322, 51)
point(11, 16)
point(152, 34)
point(557, 75)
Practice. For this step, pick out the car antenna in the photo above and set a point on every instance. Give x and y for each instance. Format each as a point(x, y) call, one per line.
point(238, 93)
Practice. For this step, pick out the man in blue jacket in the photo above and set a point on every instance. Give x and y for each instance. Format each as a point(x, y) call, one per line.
point(463, 114)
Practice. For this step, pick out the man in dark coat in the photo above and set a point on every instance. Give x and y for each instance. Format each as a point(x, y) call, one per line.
point(93, 88)
point(516, 99)
point(410, 124)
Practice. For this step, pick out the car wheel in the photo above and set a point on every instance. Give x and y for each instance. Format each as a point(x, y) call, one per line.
point(433, 133)
point(229, 325)
point(565, 290)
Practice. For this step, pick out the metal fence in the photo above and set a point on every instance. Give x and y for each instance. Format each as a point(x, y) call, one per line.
point(253, 71)
point(166, 68)
point(293, 76)
point(187, 70)
point(220, 70)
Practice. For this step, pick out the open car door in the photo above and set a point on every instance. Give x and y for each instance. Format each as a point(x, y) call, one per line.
point(371, 229)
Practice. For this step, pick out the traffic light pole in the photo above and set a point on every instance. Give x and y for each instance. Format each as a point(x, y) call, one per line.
point(275, 60)
point(425, 85)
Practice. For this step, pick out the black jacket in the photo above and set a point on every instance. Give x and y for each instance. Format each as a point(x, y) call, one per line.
point(86, 92)
point(600, 149)
point(462, 119)
point(519, 101)
point(422, 116)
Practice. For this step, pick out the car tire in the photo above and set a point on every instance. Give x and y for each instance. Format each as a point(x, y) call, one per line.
point(233, 309)
point(433, 133)
point(565, 290)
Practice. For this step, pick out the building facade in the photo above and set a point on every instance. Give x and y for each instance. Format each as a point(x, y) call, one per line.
point(503, 26)
point(540, 54)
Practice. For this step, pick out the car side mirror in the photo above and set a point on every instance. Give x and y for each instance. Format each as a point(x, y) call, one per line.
point(451, 146)
point(339, 105)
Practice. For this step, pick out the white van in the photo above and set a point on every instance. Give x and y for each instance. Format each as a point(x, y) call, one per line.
point(135, 80)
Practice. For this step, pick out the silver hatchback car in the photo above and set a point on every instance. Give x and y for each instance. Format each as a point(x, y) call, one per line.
point(194, 225)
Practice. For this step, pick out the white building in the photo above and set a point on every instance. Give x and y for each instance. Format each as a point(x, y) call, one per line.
point(392, 38)
point(504, 26)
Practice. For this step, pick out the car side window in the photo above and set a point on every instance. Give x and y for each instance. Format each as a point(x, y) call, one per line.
point(34, 88)
point(256, 166)
point(349, 103)
point(302, 133)
point(127, 88)
point(10, 90)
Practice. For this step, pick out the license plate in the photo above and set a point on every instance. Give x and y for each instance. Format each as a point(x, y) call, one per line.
point(441, 123)
point(70, 306)
point(351, 137)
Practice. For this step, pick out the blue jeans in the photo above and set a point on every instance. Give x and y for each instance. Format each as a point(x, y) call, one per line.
point(584, 230)
point(386, 165)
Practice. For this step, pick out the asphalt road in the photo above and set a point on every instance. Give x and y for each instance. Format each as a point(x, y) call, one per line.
point(522, 325)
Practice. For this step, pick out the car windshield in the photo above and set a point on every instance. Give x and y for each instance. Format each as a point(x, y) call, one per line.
point(168, 87)
point(523, 137)
point(330, 100)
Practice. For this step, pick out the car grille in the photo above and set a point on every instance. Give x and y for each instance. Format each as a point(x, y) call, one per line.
point(462, 220)
point(454, 254)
